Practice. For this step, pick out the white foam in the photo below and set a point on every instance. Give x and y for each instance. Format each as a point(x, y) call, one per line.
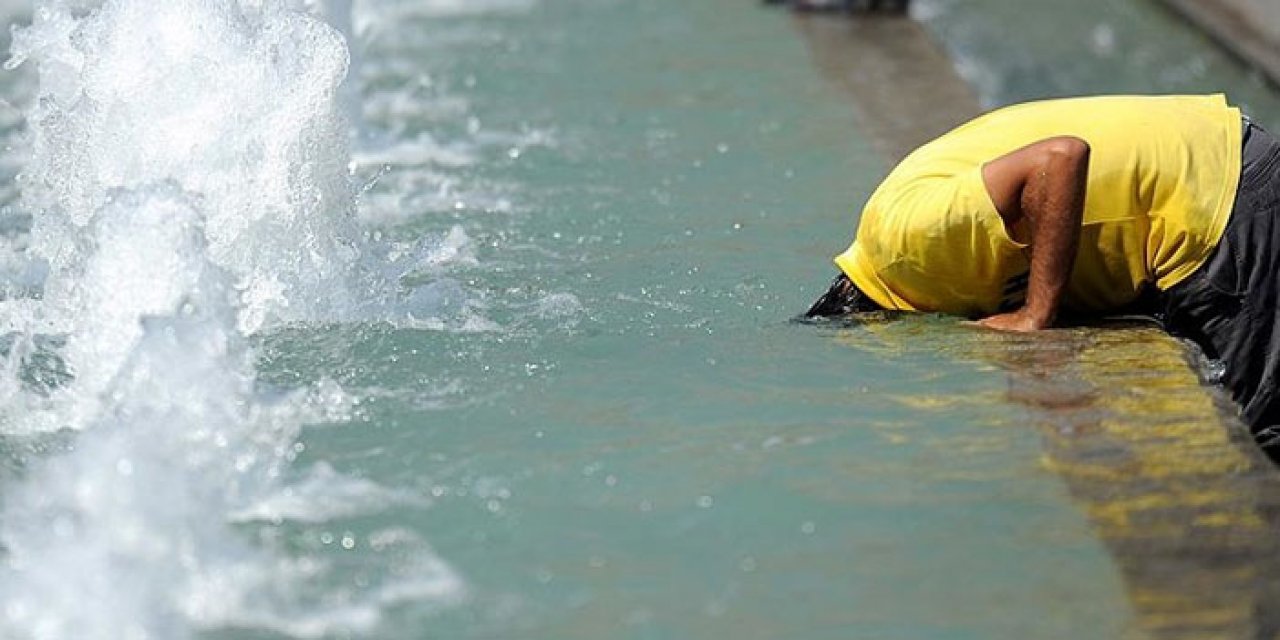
point(187, 186)
point(323, 495)
point(372, 13)
point(432, 254)
point(226, 100)
point(179, 438)
point(421, 151)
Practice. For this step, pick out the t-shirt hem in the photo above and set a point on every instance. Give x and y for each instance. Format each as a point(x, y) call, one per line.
point(1226, 203)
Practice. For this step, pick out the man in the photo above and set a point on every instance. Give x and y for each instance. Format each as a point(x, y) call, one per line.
point(1089, 206)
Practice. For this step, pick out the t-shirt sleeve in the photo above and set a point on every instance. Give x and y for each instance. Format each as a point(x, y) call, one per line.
point(973, 200)
point(951, 249)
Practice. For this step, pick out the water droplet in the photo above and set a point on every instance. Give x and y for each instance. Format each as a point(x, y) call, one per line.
point(705, 502)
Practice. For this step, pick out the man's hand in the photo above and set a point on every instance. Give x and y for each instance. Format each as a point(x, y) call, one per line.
point(1044, 185)
point(1017, 321)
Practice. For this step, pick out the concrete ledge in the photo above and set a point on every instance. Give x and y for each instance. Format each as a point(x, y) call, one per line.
point(1243, 27)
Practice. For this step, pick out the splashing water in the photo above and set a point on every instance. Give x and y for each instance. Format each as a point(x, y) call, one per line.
point(188, 185)
point(231, 101)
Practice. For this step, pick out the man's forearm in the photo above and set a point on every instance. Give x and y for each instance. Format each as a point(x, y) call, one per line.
point(1053, 201)
point(1041, 186)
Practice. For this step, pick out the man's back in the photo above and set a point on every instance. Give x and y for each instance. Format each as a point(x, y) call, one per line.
point(1161, 182)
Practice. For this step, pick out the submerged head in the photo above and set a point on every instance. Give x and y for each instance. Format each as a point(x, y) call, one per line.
point(842, 297)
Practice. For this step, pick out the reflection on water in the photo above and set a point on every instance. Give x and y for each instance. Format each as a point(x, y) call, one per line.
point(1170, 481)
point(902, 84)
point(1049, 48)
point(1181, 496)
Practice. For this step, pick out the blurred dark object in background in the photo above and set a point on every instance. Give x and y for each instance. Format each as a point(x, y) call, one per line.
point(845, 6)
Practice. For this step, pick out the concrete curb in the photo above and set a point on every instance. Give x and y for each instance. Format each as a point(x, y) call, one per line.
point(1229, 24)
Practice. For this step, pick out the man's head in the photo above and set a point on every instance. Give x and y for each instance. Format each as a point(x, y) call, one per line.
point(842, 298)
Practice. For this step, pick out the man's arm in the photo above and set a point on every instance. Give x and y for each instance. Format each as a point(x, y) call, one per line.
point(1041, 187)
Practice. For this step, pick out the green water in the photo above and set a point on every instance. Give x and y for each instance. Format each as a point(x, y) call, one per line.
point(593, 407)
point(677, 459)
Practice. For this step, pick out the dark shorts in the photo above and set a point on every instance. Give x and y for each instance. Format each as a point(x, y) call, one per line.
point(1231, 305)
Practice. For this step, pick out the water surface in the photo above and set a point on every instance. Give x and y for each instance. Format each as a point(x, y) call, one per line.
point(559, 394)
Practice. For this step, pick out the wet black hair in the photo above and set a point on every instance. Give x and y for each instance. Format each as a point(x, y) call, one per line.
point(842, 298)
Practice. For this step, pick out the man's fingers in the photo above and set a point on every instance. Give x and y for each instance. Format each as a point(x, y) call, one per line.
point(1017, 322)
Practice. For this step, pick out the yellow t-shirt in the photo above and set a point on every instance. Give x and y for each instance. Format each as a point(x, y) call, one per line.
point(1162, 179)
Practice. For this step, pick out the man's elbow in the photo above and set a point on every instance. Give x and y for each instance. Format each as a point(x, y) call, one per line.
point(1065, 151)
